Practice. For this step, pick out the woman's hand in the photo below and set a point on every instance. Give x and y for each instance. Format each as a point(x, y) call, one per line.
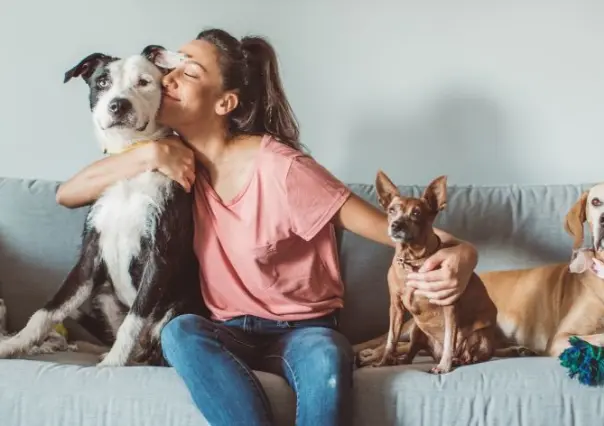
point(175, 160)
point(445, 275)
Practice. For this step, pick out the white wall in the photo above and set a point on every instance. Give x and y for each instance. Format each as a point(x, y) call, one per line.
point(488, 92)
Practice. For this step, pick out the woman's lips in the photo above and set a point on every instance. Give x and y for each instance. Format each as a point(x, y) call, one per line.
point(167, 95)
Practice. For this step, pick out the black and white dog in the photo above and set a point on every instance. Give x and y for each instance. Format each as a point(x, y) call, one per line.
point(137, 263)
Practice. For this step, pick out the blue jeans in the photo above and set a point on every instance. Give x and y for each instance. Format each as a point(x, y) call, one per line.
point(216, 360)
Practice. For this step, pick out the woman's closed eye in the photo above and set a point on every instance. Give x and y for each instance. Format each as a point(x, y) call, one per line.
point(191, 71)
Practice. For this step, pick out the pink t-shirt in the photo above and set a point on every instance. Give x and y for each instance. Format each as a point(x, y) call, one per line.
point(271, 251)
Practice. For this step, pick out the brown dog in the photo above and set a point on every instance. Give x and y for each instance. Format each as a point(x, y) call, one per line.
point(461, 333)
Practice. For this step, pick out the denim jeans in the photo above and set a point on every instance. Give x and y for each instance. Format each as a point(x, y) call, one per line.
point(215, 361)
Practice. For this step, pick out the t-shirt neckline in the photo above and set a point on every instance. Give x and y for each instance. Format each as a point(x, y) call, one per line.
point(210, 189)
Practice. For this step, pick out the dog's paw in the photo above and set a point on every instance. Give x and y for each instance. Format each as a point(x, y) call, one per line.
point(440, 370)
point(522, 352)
point(367, 357)
point(108, 360)
point(384, 361)
point(73, 347)
point(6, 350)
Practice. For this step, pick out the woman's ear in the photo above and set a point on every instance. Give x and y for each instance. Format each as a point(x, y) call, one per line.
point(227, 103)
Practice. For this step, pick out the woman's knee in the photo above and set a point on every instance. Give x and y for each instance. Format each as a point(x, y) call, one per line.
point(179, 330)
point(328, 356)
point(321, 369)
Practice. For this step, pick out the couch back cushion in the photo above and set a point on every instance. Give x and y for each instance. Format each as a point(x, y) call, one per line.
point(39, 243)
point(511, 226)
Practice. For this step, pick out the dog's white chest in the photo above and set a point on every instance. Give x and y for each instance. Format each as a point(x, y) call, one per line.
point(126, 213)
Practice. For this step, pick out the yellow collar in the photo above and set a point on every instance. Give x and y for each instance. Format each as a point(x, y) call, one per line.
point(128, 148)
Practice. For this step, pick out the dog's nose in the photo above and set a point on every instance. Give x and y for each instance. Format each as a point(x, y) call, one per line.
point(398, 226)
point(119, 106)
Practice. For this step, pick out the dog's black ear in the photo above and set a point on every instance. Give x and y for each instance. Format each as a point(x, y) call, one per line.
point(152, 52)
point(162, 57)
point(86, 67)
point(386, 190)
point(435, 194)
point(575, 218)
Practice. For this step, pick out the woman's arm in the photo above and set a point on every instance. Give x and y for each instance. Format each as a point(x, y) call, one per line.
point(444, 275)
point(169, 156)
point(363, 218)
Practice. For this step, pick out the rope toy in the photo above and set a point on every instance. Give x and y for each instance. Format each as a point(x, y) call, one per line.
point(584, 361)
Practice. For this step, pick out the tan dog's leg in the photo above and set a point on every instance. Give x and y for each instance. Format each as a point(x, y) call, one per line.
point(394, 333)
point(560, 342)
point(369, 356)
point(446, 359)
point(584, 320)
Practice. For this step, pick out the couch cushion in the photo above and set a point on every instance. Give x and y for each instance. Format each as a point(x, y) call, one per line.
point(521, 391)
point(39, 242)
point(42, 392)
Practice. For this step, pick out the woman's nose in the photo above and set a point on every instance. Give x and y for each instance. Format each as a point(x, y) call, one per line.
point(168, 81)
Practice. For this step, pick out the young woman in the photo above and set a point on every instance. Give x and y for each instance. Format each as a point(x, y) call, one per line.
point(265, 216)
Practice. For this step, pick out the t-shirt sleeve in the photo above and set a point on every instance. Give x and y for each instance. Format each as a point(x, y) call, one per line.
point(314, 196)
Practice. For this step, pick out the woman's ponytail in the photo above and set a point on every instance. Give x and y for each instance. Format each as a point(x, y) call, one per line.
point(251, 68)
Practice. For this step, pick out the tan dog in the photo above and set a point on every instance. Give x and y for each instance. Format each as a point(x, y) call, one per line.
point(540, 308)
point(461, 333)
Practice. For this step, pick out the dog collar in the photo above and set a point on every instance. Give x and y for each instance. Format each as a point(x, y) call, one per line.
point(128, 148)
point(413, 265)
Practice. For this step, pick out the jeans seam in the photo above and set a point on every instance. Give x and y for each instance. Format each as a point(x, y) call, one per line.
point(248, 375)
point(293, 373)
point(258, 388)
point(235, 338)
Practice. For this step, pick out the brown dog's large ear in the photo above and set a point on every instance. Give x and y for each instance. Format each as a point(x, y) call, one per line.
point(86, 67)
point(386, 190)
point(435, 194)
point(575, 218)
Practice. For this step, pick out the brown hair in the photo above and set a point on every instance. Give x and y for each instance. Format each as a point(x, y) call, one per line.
point(250, 67)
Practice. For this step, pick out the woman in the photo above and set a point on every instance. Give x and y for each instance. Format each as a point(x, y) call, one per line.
point(265, 216)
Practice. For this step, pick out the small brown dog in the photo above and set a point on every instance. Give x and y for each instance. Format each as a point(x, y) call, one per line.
point(457, 334)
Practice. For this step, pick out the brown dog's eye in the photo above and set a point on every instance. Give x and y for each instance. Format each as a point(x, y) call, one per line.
point(596, 202)
point(391, 210)
point(415, 212)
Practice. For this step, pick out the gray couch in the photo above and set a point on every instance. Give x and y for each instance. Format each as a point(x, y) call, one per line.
point(512, 227)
